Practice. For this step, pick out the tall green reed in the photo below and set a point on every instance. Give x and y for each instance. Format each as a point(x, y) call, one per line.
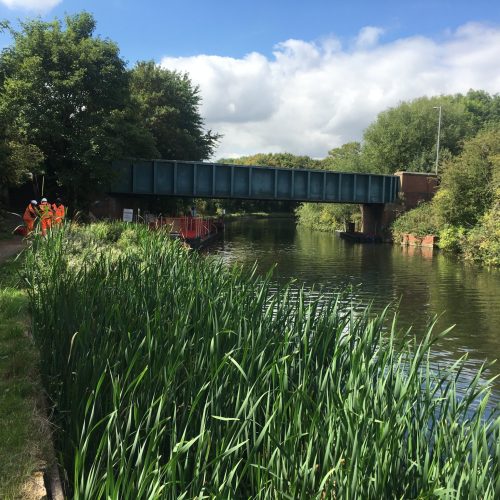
point(175, 377)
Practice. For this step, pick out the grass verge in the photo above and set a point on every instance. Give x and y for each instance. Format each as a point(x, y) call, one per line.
point(23, 432)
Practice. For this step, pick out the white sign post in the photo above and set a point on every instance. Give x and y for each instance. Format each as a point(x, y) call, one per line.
point(128, 214)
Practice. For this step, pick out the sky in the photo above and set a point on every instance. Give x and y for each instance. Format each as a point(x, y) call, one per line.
point(298, 76)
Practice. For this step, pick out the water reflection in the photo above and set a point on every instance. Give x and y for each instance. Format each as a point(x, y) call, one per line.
point(423, 283)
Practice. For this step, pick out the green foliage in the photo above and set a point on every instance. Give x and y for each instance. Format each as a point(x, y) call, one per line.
point(465, 211)
point(483, 108)
point(285, 160)
point(173, 376)
point(404, 137)
point(420, 221)
point(68, 104)
point(346, 158)
point(63, 90)
point(327, 216)
point(469, 180)
point(483, 241)
point(168, 106)
point(452, 238)
point(18, 160)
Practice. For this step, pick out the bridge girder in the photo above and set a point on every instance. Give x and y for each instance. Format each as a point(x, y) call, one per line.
point(218, 180)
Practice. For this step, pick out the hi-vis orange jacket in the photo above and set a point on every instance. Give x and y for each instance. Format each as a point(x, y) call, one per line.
point(59, 212)
point(30, 213)
point(45, 210)
point(29, 217)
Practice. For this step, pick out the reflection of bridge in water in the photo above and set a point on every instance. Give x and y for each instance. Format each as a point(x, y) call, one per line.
point(218, 180)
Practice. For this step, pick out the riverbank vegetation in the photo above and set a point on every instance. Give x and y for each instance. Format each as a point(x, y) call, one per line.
point(174, 376)
point(24, 437)
point(404, 138)
point(465, 212)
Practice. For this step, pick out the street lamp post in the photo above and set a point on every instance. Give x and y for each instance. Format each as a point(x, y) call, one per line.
point(439, 133)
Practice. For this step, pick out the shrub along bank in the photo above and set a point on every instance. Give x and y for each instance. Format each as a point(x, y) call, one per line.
point(465, 212)
point(328, 217)
point(174, 376)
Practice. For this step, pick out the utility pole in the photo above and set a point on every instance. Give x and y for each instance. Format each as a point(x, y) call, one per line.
point(439, 134)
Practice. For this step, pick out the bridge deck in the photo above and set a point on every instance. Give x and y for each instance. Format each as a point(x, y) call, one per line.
point(217, 180)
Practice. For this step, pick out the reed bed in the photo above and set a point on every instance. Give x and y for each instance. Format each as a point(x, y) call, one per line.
point(173, 376)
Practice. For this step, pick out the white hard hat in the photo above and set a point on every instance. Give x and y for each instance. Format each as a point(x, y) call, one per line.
point(44, 199)
point(34, 202)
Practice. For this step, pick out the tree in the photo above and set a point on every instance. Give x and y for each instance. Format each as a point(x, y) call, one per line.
point(168, 105)
point(404, 137)
point(483, 108)
point(18, 159)
point(284, 160)
point(470, 181)
point(65, 92)
point(346, 158)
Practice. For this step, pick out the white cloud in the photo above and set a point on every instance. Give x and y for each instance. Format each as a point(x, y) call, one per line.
point(309, 97)
point(368, 36)
point(33, 5)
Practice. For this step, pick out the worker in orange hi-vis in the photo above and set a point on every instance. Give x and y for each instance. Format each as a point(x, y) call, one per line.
point(58, 211)
point(45, 215)
point(30, 215)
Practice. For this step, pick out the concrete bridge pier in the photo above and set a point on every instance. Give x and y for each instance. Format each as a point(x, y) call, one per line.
point(372, 215)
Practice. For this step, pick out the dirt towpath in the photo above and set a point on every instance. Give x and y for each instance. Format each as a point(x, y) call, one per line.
point(9, 248)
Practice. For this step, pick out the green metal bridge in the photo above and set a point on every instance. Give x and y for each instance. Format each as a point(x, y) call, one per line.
point(217, 180)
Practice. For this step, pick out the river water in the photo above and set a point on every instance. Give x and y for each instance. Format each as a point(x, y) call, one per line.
point(421, 283)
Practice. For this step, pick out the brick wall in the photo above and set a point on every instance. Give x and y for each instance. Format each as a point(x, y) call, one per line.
point(416, 187)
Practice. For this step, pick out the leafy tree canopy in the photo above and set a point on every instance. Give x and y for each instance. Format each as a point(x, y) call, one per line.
point(404, 137)
point(18, 159)
point(63, 90)
point(346, 158)
point(168, 105)
point(285, 160)
point(68, 106)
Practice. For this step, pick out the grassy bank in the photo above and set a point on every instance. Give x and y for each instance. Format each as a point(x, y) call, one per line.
point(175, 377)
point(23, 433)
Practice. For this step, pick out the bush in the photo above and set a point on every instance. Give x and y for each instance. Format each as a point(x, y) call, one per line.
point(452, 238)
point(469, 180)
point(483, 242)
point(327, 216)
point(420, 221)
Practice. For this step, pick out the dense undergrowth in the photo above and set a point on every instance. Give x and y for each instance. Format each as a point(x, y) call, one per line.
point(465, 212)
point(328, 217)
point(173, 376)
